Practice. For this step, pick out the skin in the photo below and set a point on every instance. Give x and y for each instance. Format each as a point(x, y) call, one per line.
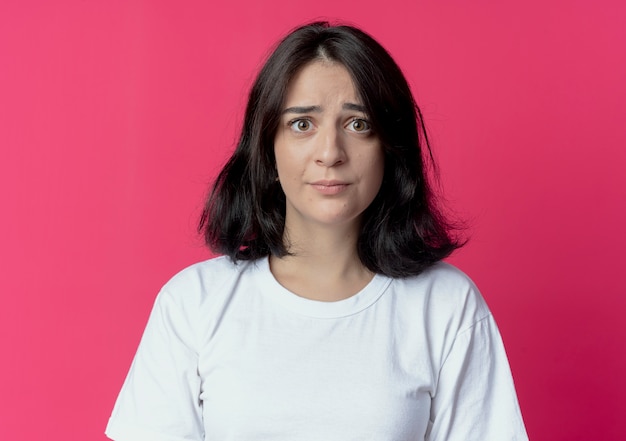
point(330, 166)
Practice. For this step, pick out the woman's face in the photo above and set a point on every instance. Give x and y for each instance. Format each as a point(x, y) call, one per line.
point(330, 164)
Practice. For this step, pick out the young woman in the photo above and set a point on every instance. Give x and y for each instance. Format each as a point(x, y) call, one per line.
point(330, 315)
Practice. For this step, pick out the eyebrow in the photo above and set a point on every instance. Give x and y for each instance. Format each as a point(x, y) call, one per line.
point(307, 109)
point(318, 109)
point(357, 107)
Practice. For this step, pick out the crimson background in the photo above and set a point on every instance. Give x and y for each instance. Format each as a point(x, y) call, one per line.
point(114, 116)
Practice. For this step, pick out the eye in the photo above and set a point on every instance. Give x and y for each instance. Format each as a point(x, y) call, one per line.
point(300, 125)
point(359, 125)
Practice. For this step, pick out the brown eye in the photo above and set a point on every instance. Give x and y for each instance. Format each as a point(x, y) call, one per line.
point(301, 125)
point(359, 125)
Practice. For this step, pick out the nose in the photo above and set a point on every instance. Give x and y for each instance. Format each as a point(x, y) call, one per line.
point(330, 151)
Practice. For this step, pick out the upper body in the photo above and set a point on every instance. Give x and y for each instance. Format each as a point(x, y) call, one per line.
point(331, 316)
point(230, 354)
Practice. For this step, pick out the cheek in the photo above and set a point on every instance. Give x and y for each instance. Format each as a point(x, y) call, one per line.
point(284, 168)
point(281, 157)
point(376, 168)
point(376, 181)
point(281, 151)
point(289, 163)
point(377, 173)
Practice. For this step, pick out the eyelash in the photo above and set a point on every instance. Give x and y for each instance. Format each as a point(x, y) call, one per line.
point(297, 120)
point(368, 126)
point(352, 121)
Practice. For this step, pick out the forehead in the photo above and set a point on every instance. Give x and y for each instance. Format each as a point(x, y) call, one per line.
point(320, 82)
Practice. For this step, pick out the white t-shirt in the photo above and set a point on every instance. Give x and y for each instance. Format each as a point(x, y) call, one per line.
point(229, 354)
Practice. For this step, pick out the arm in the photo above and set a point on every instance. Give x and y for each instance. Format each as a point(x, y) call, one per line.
point(475, 397)
point(160, 397)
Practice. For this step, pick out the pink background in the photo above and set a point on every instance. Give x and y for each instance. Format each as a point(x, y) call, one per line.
point(114, 116)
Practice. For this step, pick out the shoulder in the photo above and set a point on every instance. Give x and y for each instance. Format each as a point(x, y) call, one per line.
point(448, 297)
point(195, 297)
point(208, 271)
point(204, 282)
point(443, 279)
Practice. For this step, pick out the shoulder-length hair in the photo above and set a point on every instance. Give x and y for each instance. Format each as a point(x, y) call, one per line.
point(402, 231)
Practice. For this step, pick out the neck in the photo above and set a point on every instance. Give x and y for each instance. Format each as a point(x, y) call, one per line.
point(323, 264)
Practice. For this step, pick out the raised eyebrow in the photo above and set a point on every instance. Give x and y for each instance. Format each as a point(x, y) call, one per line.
point(318, 109)
point(302, 109)
point(355, 107)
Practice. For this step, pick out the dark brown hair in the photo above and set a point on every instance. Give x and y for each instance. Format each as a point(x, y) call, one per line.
point(402, 232)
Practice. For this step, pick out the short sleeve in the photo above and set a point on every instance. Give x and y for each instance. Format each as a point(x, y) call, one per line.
point(159, 400)
point(475, 399)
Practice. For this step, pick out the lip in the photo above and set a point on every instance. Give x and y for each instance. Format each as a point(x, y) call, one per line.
point(329, 187)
